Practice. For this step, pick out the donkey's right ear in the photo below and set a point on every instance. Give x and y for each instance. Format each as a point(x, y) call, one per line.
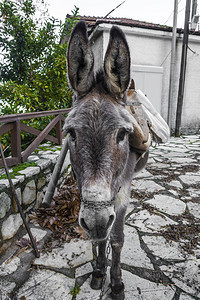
point(80, 60)
point(117, 64)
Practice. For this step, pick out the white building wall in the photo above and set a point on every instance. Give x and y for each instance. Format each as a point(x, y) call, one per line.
point(98, 47)
point(153, 48)
point(191, 104)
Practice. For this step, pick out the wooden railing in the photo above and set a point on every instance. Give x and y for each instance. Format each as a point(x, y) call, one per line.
point(13, 123)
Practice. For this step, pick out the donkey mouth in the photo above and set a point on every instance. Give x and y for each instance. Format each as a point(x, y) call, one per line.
point(98, 235)
point(98, 232)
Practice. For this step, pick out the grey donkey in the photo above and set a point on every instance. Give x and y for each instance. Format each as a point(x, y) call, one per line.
point(103, 159)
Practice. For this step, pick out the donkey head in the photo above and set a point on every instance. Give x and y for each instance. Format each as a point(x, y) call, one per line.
point(98, 127)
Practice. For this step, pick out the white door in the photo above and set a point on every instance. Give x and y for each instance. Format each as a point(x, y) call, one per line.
point(149, 80)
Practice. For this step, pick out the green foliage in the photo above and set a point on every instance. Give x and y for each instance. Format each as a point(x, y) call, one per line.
point(75, 291)
point(21, 39)
point(15, 170)
point(48, 149)
point(33, 70)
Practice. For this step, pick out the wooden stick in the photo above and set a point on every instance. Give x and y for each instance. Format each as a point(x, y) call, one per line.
point(55, 176)
point(18, 204)
point(114, 9)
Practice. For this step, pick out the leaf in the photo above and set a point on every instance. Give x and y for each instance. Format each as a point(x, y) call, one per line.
point(23, 243)
point(62, 217)
point(52, 220)
point(82, 234)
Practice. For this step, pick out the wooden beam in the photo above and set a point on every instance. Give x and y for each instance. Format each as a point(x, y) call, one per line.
point(28, 116)
point(39, 139)
point(16, 140)
point(11, 161)
point(5, 128)
point(36, 132)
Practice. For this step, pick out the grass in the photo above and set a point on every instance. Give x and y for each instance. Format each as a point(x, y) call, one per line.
point(17, 169)
point(75, 291)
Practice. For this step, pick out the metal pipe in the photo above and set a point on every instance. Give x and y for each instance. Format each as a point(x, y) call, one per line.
point(172, 66)
point(182, 70)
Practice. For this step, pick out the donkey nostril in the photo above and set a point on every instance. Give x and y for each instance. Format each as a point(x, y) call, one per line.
point(111, 219)
point(83, 224)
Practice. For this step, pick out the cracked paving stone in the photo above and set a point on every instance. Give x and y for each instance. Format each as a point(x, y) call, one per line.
point(85, 269)
point(163, 249)
point(194, 147)
point(86, 293)
point(193, 192)
point(37, 233)
point(167, 204)
point(184, 296)
point(149, 222)
point(178, 148)
point(182, 160)
point(139, 288)
point(194, 209)
point(151, 161)
point(132, 253)
point(180, 156)
point(8, 267)
point(190, 179)
point(175, 193)
point(6, 287)
point(146, 186)
point(185, 275)
point(46, 285)
point(135, 288)
point(143, 174)
point(176, 184)
point(70, 255)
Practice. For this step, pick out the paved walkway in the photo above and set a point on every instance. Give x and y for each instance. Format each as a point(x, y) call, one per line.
point(161, 255)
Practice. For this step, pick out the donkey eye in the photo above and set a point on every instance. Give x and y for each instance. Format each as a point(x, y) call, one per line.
point(121, 135)
point(72, 134)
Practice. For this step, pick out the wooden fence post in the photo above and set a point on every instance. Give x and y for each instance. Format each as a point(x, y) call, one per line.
point(59, 131)
point(16, 141)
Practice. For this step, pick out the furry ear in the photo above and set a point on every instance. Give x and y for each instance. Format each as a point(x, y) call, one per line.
point(117, 63)
point(80, 60)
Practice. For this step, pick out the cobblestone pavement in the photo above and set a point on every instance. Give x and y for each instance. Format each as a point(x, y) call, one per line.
point(161, 254)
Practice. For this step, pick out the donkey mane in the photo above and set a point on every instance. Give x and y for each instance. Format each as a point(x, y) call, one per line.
point(100, 81)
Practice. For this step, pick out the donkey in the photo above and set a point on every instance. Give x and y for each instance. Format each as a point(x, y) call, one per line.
point(102, 158)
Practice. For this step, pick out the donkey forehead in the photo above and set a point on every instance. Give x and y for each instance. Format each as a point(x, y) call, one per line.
point(100, 111)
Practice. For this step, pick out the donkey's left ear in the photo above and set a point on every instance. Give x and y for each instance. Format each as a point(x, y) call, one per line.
point(117, 63)
point(80, 60)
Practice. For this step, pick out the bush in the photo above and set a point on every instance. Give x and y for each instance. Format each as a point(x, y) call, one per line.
point(33, 70)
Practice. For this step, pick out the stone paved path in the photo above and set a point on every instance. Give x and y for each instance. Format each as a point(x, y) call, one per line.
point(161, 255)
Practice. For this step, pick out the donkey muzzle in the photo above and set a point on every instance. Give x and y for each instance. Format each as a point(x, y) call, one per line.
point(97, 223)
point(96, 215)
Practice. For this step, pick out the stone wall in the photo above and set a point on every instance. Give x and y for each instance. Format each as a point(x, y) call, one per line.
point(30, 180)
